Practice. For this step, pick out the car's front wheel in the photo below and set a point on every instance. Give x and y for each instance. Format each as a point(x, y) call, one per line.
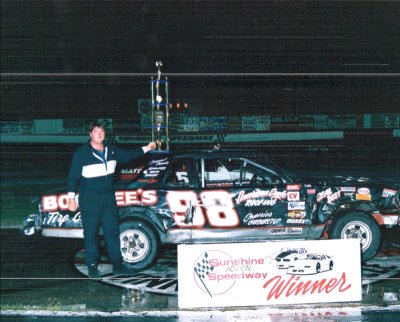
point(363, 227)
point(139, 244)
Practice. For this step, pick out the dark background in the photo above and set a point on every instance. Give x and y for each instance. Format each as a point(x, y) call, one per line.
point(236, 57)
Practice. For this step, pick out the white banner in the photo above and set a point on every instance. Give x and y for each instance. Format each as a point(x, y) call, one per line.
point(270, 273)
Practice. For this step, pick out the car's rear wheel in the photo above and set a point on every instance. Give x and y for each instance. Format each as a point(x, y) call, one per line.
point(139, 244)
point(362, 227)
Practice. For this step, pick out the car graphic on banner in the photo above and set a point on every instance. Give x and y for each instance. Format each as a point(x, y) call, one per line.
point(288, 255)
point(311, 264)
point(223, 197)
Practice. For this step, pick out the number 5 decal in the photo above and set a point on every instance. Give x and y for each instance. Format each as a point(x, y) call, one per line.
point(218, 207)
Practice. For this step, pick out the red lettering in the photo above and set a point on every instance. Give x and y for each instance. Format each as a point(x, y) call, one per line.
point(343, 279)
point(53, 203)
point(149, 197)
point(123, 199)
point(49, 203)
point(293, 286)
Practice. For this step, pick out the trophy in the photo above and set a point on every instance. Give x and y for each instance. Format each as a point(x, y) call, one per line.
point(159, 109)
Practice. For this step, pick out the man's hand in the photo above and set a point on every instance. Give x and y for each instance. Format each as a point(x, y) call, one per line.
point(151, 146)
point(72, 205)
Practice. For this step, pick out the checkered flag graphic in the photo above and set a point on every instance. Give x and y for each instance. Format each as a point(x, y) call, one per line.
point(202, 269)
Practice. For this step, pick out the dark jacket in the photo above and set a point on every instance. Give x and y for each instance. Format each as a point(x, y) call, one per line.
point(91, 173)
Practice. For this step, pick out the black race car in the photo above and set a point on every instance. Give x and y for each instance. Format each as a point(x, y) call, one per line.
point(227, 196)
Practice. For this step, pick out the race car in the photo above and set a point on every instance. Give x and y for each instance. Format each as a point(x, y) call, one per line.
point(288, 255)
point(311, 264)
point(222, 196)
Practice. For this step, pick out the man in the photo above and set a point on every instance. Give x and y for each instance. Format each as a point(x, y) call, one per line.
point(92, 170)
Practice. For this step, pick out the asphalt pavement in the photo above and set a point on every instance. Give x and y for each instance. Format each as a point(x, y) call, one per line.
point(40, 278)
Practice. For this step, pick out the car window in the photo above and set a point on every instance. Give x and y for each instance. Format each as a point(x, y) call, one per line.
point(235, 171)
point(178, 173)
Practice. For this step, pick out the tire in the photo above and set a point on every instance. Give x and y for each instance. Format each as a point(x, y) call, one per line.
point(361, 226)
point(139, 244)
point(330, 266)
point(318, 268)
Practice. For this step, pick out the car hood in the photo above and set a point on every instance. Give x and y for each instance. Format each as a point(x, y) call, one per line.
point(350, 181)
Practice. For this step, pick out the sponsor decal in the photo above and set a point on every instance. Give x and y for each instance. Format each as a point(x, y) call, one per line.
point(299, 205)
point(333, 197)
point(295, 221)
point(363, 197)
point(261, 219)
point(54, 202)
point(155, 167)
point(159, 163)
point(311, 191)
point(363, 191)
point(136, 197)
point(293, 187)
point(287, 231)
point(293, 195)
point(329, 195)
point(348, 189)
point(124, 198)
point(58, 220)
point(296, 214)
point(260, 197)
point(323, 194)
point(294, 231)
point(278, 231)
point(363, 194)
point(388, 193)
point(130, 174)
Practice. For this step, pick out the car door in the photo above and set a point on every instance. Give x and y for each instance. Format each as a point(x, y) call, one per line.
point(240, 200)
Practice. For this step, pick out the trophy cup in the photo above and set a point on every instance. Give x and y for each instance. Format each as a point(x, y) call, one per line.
point(159, 109)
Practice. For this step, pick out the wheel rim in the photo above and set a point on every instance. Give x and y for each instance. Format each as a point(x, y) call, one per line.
point(134, 245)
point(359, 230)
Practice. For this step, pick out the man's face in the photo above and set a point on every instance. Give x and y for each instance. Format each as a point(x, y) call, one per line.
point(97, 136)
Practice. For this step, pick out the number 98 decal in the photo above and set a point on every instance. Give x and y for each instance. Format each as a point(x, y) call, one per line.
point(216, 208)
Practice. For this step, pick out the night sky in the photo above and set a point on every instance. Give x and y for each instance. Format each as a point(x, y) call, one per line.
point(79, 59)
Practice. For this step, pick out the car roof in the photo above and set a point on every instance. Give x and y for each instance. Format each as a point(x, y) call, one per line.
point(234, 153)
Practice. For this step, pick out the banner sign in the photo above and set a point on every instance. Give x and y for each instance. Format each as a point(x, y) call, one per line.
point(184, 123)
point(339, 121)
point(55, 126)
point(213, 123)
point(256, 123)
point(269, 273)
point(11, 127)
